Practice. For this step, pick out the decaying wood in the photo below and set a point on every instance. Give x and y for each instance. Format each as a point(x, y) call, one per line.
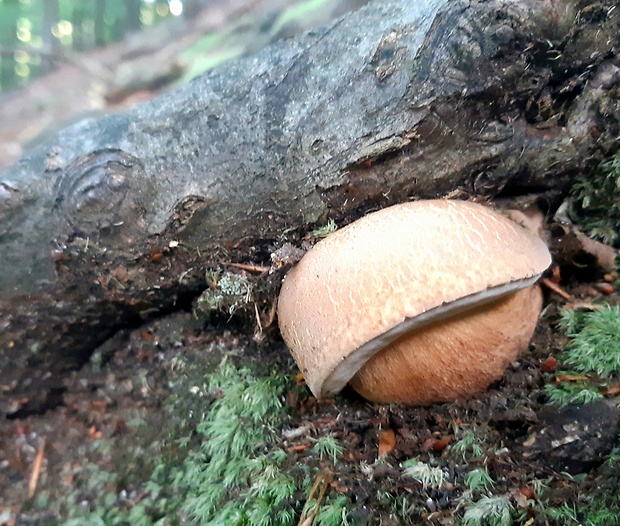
point(399, 100)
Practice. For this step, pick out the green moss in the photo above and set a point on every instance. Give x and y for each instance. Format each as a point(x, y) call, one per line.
point(592, 508)
point(470, 443)
point(489, 511)
point(327, 446)
point(479, 480)
point(596, 201)
point(595, 341)
point(226, 292)
point(237, 456)
point(592, 355)
point(334, 513)
point(227, 466)
point(429, 476)
point(326, 229)
point(565, 393)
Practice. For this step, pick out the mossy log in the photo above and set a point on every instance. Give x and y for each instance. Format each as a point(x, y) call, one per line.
point(114, 220)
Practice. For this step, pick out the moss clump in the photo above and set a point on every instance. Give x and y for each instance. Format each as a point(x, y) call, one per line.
point(237, 458)
point(595, 341)
point(324, 231)
point(592, 357)
point(490, 510)
point(230, 469)
point(593, 508)
point(596, 201)
point(226, 293)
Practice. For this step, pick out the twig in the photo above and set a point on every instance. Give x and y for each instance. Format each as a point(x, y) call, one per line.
point(261, 325)
point(258, 321)
point(321, 480)
point(582, 305)
point(250, 268)
point(36, 469)
point(556, 288)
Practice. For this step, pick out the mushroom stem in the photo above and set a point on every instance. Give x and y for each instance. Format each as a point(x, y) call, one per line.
point(453, 358)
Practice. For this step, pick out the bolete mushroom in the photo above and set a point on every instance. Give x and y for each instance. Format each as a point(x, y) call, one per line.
point(418, 303)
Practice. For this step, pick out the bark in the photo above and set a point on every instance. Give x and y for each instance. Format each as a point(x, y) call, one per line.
point(397, 100)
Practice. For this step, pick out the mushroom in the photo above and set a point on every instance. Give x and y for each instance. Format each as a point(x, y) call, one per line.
point(418, 303)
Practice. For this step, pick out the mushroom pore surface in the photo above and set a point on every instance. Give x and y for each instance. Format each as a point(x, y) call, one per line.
point(452, 358)
point(395, 271)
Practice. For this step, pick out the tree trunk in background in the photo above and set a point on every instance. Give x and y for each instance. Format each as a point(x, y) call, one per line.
point(79, 37)
point(50, 43)
point(114, 220)
point(8, 27)
point(100, 24)
point(133, 15)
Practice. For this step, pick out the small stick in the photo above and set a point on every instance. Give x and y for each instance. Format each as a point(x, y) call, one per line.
point(583, 305)
point(556, 288)
point(323, 480)
point(258, 321)
point(250, 268)
point(36, 469)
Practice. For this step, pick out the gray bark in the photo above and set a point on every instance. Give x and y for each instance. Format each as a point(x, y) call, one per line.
point(398, 100)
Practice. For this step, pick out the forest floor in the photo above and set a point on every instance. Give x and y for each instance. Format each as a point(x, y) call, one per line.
point(129, 443)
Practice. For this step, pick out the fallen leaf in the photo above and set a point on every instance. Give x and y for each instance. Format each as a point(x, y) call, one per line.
point(427, 444)
point(298, 448)
point(528, 491)
point(442, 443)
point(613, 390)
point(93, 433)
point(387, 441)
point(605, 289)
point(99, 405)
point(549, 365)
point(338, 487)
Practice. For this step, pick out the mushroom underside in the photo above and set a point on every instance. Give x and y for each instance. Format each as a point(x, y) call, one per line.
point(453, 358)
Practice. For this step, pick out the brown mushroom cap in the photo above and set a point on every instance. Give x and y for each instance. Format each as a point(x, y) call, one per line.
point(393, 271)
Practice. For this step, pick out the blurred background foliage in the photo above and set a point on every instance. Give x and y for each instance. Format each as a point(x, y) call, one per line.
point(37, 35)
point(34, 34)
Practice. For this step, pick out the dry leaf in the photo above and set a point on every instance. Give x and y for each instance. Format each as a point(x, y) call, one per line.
point(529, 492)
point(442, 443)
point(605, 289)
point(549, 365)
point(387, 441)
point(613, 390)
